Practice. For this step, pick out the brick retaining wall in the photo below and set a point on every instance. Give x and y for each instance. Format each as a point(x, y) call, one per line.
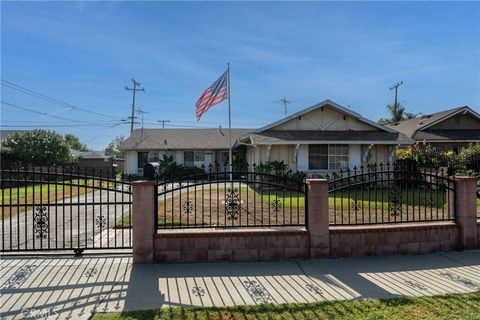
point(415, 238)
point(231, 245)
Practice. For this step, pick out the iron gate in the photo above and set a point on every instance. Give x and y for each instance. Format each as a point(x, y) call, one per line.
point(64, 209)
point(238, 199)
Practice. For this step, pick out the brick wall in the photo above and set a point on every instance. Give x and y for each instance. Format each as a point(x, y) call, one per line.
point(231, 245)
point(418, 238)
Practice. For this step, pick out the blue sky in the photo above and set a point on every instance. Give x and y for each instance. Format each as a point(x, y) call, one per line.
point(85, 53)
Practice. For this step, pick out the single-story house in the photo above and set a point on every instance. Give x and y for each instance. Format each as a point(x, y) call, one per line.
point(447, 130)
point(97, 160)
point(317, 140)
point(189, 147)
point(323, 138)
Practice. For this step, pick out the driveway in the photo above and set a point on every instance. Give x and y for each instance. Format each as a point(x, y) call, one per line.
point(69, 223)
point(65, 287)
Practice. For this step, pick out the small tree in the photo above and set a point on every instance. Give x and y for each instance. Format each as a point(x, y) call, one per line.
point(39, 147)
point(397, 114)
point(74, 143)
point(112, 148)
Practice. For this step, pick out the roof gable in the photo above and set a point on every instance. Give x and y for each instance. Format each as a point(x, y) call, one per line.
point(329, 104)
point(411, 126)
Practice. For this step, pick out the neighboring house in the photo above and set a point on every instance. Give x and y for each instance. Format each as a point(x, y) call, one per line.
point(4, 134)
point(446, 130)
point(97, 160)
point(189, 147)
point(323, 138)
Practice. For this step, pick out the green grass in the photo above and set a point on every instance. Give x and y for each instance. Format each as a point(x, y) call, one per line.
point(42, 193)
point(447, 307)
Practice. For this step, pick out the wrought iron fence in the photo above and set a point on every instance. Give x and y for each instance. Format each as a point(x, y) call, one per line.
point(236, 199)
point(390, 193)
point(63, 209)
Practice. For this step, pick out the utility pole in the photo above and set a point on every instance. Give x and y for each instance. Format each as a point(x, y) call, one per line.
point(285, 103)
point(395, 105)
point(136, 87)
point(163, 122)
point(141, 112)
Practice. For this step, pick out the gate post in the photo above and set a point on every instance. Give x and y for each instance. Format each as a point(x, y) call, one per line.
point(466, 212)
point(318, 218)
point(143, 224)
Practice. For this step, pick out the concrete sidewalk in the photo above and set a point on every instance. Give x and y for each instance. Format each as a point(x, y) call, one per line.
point(65, 287)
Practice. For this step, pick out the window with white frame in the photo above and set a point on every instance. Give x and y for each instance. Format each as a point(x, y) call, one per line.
point(154, 156)
point(327, 157)
point(193, 158)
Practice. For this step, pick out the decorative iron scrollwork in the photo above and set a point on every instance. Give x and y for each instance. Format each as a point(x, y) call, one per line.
point(356, 205)
point(40, 222)
point(276, 205)
point(187, 207)
point(232, 204)
point(19, 277)
point(462, 280)
point(100, 221)
point(430, 202)
point(395, 201)
point(415, 285)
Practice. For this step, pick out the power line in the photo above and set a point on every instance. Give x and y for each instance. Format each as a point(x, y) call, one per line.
point(44, 97)
point(42, 113)
point(134, 89)
point(163, 122)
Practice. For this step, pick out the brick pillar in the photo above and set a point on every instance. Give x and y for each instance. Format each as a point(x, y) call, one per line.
point(466, 212)
point(143, 212)
point(318, 218)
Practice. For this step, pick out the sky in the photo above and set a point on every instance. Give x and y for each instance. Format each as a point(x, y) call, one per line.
point(83, 54)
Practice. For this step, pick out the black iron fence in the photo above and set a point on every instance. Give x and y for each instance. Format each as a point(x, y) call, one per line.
point(231, 200)
point(390, 193)
point(63, 209)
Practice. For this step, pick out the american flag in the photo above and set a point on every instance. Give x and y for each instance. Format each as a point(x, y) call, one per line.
point(214, 94)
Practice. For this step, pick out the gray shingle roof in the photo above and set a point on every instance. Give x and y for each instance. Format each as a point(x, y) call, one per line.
point(464, 135)
point(409, 127)
point(180, 139)
point(295, 136)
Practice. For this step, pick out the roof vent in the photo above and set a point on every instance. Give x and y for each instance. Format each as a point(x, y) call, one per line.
point(220, 130)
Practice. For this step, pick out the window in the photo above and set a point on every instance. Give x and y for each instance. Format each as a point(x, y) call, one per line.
point(142, 159)
point(337, 156)
point(327, 157)
point(154, 156)
point(318, 157)
point(456, 150)
point(193, 158)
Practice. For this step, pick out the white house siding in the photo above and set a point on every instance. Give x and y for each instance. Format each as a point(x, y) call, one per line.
point(179, 157)
point(354, 156)
point(131, 162)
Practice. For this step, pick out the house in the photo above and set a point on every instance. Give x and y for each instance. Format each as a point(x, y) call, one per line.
point(323, 138)
point(97, 160)
point(447, 130)
point(189, 147)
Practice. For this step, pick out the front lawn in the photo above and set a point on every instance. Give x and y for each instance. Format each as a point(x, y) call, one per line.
point(453, 306)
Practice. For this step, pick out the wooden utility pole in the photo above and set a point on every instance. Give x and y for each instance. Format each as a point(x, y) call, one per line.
point(395, 104)
point(136, 87)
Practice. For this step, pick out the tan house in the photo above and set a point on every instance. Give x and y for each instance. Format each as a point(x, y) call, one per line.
point(321, 139)
point(447, 130)
point(189, 147)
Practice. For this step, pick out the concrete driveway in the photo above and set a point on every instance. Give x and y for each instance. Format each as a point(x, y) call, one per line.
point(65, 287)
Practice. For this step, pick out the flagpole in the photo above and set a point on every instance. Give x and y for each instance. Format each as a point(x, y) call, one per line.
point(229, 123)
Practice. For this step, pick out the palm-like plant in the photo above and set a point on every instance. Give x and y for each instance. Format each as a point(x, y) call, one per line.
point(397, 114)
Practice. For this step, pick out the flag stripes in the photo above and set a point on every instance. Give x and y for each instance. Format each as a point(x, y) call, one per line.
point(213, 95)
